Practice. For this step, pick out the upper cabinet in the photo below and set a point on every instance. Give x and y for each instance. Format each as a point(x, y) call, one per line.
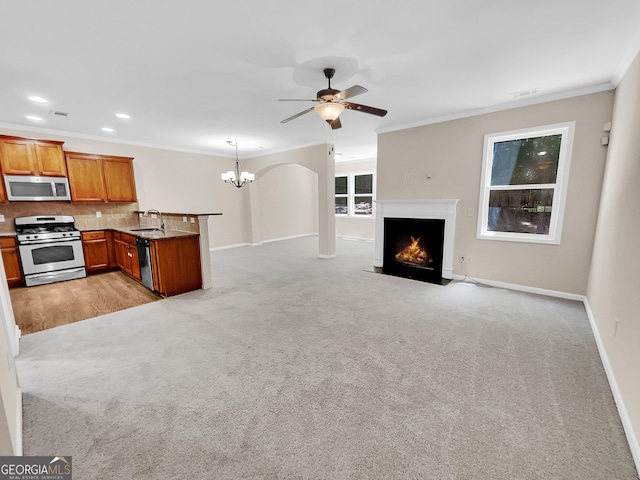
point(100, 178)
point(25, 156)
point(118, 179)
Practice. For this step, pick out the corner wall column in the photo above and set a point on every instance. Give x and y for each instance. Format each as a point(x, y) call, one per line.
point(255, 233)
point(205, 252)
point(326, 206)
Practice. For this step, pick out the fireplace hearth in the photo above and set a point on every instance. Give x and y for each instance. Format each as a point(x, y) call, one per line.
point(413, 248)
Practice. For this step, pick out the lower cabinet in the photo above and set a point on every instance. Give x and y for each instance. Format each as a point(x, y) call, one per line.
point(127, 254)
point(175, 262)
point(11, 260)
point(176, 265)
point(95, 245)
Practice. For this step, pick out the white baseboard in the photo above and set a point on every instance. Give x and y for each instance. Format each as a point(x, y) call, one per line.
point(523, 288)
point(632, 439)
point(362, 239)
point(290, 237)
point(238, 245)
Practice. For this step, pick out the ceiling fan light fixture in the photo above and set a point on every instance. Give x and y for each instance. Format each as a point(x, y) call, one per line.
point(329, 111)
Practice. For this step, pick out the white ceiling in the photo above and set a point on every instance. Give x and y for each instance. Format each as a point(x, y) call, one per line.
point(195, 73)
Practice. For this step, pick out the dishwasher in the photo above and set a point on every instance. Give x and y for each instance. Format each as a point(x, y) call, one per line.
point(144, 259)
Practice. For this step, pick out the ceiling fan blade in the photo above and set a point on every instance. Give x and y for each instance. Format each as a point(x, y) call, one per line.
point(351, 92)
point(296, 115)
point(365, 109)
point(336, 124)
point(298, 100)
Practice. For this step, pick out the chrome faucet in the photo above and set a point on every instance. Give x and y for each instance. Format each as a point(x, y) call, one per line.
point(153, 210)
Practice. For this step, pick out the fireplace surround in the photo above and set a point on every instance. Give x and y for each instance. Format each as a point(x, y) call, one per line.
point(417, 209)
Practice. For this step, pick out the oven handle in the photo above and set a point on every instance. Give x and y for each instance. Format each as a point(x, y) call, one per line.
point(51, 240)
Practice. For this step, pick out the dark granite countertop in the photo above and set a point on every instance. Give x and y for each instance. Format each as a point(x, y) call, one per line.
point(148, 234)
point(193, 214)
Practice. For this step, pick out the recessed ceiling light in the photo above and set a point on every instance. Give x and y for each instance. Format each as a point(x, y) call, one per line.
point(108, 129)
point(123, 116)
point(35, 118)
point(35, 98)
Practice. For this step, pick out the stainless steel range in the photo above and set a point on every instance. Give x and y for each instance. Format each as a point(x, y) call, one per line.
point(50, 249)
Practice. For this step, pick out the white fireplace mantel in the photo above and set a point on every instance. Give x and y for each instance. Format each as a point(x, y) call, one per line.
point(422, 209)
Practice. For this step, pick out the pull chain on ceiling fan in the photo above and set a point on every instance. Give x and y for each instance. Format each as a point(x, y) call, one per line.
point(332, 102)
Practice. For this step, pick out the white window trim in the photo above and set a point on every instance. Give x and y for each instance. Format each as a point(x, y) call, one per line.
point(560, 187)
point(350, 195)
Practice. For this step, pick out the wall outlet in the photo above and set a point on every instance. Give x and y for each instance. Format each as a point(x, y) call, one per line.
point(406, 177)
point(154, 215)
point(1, 218)
point(463, 259)
point(98, 214)
point(193, 220)
point(184, 219)
point(468, 259)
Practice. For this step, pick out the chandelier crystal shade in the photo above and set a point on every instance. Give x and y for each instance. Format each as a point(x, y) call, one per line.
point(236, 177)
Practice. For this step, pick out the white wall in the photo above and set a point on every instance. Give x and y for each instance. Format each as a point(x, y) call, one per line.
point(452, 153)
point(10, 392)
point(288, 204)
point(613, 291)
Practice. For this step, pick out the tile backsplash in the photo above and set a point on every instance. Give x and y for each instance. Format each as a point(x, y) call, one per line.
point(111, 215)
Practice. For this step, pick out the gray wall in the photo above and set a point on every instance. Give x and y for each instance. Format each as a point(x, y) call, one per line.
point(451, 152)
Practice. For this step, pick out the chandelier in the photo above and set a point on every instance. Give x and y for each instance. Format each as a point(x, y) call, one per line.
point(237, 178)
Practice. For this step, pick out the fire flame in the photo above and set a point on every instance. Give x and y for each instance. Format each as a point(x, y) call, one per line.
point(412, 253)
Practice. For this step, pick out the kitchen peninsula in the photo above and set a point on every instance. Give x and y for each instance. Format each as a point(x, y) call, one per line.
point(167, 252)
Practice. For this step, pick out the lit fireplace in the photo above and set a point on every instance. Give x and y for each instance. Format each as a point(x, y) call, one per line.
point(413, 248)
point(415, 254)
point(439, 249)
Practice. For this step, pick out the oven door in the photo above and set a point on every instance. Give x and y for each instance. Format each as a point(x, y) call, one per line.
point(49, 257)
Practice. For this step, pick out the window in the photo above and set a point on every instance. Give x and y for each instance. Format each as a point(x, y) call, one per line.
point(342, 197)
point(354, 194)
point(524, 182)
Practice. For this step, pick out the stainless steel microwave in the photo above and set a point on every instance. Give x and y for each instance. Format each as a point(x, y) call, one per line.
point(36, 189)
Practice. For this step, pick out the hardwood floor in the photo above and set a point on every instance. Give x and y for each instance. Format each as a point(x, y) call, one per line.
point(47, 306)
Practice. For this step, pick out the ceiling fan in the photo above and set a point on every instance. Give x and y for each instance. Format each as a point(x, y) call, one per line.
point(332, 102)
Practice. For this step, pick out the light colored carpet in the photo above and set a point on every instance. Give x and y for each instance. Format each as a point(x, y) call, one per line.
point(296, 367)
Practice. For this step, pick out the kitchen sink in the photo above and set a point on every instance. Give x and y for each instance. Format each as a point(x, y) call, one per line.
point(152, 229)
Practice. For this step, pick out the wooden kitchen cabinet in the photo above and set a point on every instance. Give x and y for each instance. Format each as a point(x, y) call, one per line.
point(119, 180)
point(3, 192)
point(11, 260)
point(127, 254)
point(100, 178)
point(95, 245)
point(25, 156)
point(176, 265)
